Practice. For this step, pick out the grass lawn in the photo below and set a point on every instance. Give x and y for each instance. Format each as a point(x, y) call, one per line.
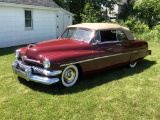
point(119, 94)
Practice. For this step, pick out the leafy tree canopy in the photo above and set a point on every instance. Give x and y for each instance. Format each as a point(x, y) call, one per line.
point(148, 11)
point(90, 14)
point(77, 6)
point(127, 10)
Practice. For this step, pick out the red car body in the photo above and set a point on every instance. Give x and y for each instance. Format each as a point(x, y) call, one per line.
point(63, 59)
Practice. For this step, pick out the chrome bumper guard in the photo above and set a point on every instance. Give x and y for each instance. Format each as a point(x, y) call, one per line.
point(26, 73)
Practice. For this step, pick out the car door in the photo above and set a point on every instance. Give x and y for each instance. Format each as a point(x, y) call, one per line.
point(131, 49)
point(124, 46)
point(107, 49)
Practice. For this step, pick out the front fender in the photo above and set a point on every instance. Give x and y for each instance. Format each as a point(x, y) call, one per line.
point(58, 60)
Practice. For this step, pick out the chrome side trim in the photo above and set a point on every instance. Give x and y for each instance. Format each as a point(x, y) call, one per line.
point(100, 58)
point(114, 41)
point(101, 43)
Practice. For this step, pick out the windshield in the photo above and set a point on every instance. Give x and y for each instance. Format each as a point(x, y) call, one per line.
point(78, 34)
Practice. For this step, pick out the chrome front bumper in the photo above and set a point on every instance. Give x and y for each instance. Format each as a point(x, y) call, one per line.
point(26, 72)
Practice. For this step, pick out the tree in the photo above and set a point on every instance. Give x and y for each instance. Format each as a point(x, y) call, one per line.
point(61, 3)
point(74, 6)
point(77, 6)
point(127, 10)
point(90, 14)
point(148, 11)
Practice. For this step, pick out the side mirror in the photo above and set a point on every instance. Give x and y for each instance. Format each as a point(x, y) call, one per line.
point(96, 42)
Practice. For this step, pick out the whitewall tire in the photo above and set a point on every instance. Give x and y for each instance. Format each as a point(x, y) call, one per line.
point(133, 64)
point(69, 76)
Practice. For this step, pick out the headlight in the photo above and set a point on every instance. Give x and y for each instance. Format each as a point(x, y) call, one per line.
point(46, 63)
point(17, 53)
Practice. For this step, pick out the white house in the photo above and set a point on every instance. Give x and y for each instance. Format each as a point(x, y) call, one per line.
point(30, 21)
point(113, 14)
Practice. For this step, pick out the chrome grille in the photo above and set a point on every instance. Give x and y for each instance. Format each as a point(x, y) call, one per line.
point(34, 69)
point(38, 70)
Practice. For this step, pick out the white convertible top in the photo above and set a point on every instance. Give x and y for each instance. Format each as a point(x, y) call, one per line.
point(104, 26)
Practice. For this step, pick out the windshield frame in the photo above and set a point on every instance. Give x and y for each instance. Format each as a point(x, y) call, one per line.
point(78, 31)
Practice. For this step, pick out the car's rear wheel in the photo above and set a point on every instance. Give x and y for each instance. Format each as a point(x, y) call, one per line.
point(69, 76)
point(133, 64)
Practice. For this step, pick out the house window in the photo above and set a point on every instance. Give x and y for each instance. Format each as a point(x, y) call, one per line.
point(28, 19)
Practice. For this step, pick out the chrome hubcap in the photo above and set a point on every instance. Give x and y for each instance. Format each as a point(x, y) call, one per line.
point(69, 75)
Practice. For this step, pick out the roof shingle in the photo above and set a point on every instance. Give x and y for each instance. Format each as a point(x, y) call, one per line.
point(46, 3)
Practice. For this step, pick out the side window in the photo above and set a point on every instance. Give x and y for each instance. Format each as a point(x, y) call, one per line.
point(97, 37)
point(108, 35)
point(28, 19)
point(68, 33)
point(121, 36)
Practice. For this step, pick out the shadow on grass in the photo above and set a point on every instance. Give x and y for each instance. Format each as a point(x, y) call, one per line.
point(90, 81)
point(9, 50)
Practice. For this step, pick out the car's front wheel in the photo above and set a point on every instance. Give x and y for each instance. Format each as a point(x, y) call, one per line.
point(133, 64)
point(69, 76)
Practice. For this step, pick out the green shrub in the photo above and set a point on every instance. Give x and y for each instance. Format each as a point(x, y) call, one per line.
point(141, 30)
point(135, 25)
point(157, 27)
point(152, 35)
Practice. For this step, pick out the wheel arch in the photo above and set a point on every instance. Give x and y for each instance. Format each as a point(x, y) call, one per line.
point(79, 69)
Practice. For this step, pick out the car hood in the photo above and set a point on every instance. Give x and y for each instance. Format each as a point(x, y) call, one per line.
point(46, 49)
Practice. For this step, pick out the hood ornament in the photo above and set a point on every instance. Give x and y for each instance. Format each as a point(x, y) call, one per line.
point(31, 45)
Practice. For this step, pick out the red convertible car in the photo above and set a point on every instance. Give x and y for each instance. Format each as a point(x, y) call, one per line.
point(83, 48)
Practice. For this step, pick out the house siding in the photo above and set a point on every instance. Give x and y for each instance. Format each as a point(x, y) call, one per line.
point(12, 26)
